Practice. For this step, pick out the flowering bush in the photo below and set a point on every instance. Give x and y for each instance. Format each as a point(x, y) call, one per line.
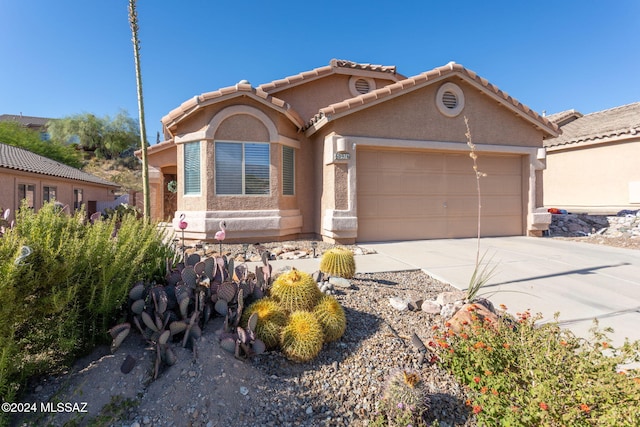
point(520, 373)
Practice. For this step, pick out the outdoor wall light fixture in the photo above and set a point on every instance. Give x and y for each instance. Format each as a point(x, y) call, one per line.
point(314, 245)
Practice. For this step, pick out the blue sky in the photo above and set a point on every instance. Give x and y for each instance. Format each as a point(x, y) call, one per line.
point(66, 57)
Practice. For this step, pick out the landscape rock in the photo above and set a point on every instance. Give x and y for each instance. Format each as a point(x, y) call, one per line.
point(431, 307)
point(465, 315)
point(400, 304)
point(340, 282)
point(445, 298)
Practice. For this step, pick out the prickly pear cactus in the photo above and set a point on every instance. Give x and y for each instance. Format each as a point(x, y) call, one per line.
point(405, 389)
point(301, 339)
point(338, 262)
point(331, 316)
point(271, 319)
point(295, 290)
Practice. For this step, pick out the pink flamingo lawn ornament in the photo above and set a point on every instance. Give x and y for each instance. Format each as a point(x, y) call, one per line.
point(182, 225)
point(221, 234)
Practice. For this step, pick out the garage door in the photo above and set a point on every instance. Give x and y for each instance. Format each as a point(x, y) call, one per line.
point(431, 195)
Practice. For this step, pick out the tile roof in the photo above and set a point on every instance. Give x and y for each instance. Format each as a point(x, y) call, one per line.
point(335, 65)
point(28, 121)
point(426, 78)
point(601, 126)
point(242, 88)
point(24, 160)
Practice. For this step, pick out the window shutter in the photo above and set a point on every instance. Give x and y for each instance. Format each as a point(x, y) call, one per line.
point(192, 168)
point(228, 165)
point(288, 171)
point(256, 168)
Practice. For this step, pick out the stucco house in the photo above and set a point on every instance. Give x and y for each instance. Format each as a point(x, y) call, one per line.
point(352, 152)
point(594, 165)
point(26, 175)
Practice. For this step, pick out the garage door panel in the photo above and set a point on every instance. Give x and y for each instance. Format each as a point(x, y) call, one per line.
point(426, 195)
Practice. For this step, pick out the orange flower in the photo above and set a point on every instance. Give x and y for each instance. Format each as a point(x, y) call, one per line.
point(448, 324)
point(585, 408)
point(464, 336)
point(476, 379)
point(503, 307)
point(605, 345)
point(543, 406)
point(484, 389)
point(468, 402)
point(470, 308)
point(506, 345)
point(488, 373)
point(480, 344)
point(494, 391)
point(434, 328)
point(477, 409)
point(563, 343)
point(637, 380)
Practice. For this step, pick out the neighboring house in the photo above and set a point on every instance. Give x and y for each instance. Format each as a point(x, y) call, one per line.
point(26, 175)
point(594, 166)
point(352, 152)
point(38, 124)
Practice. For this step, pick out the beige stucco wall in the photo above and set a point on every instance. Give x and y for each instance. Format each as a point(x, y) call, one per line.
point(64, 189)
point(593, 178)
point(412, 121)
point(415, 116)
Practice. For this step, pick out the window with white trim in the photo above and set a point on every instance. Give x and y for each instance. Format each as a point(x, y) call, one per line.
point(288, 171)
point(242, 168)
point(192, 168)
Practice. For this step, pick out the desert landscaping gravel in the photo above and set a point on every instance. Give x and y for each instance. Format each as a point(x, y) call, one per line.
point(209, 387)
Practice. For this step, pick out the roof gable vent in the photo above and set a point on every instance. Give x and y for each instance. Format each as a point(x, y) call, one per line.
point(450, 99)
point(360, 85)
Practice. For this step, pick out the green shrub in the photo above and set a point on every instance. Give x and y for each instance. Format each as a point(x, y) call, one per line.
point(59, 301)
point(523, 374)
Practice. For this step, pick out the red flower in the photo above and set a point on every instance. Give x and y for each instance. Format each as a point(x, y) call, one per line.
point(477, 409)
point(476, 379)
point(585, 408)
point(543, 406)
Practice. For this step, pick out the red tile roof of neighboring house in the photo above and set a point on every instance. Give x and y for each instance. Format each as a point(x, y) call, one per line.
point(387, 92)
point(601, 126)
point(17, 158)
point(335, 66)
point(240, 89)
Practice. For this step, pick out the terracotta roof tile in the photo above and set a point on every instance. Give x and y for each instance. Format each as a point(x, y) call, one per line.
point(207, 98)
point(601, 126)
point(425, 78)
point(24, 160)
point(334, 65)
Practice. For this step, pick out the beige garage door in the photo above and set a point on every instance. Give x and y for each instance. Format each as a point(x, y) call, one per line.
point(431, 195)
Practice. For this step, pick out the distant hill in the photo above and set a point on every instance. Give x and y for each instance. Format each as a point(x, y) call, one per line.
point(124, 171)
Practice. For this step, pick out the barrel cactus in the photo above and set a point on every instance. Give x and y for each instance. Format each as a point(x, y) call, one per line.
point(295, 290)
point(331, 316)
point(301, 339)
point(271, 320)
point(405, 390)
point(338, 262)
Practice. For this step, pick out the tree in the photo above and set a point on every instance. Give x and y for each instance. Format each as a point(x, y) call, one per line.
point(106, 137)
point(133, 23)
point(17, 135)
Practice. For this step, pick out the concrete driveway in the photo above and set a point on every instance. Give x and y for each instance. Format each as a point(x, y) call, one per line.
point(580, 281)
